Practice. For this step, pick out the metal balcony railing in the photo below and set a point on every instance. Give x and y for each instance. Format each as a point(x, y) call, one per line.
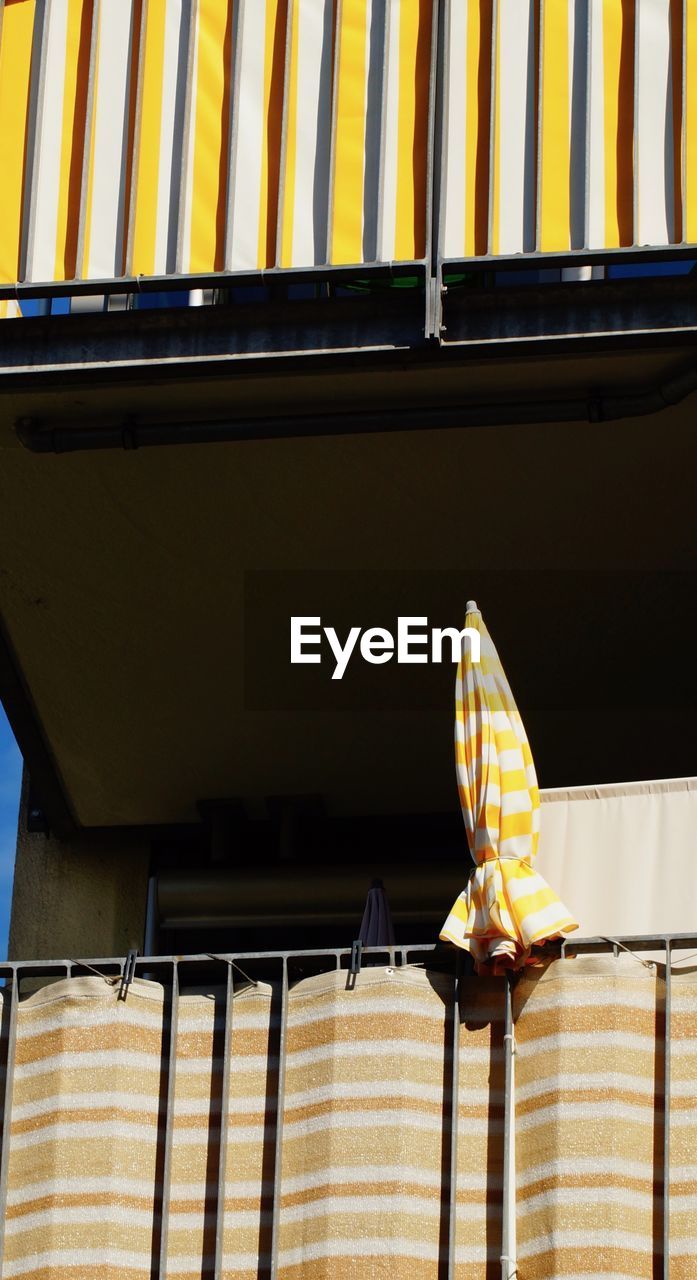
point(285, 967)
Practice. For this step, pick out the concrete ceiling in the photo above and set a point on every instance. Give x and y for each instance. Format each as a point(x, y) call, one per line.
point(145, 597)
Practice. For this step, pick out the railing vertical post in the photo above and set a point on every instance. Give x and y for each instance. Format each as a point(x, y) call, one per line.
point(278, 1154)
point(169, 1121)
point(666, 1117)
point(224, 1122)
point(7, 1104)
point(508, 1268)
point(454, 1118)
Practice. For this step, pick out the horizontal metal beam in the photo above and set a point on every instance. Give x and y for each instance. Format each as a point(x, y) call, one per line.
point(337, 275)
point(398, 954)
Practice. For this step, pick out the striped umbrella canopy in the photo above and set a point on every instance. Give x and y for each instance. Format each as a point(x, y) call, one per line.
point(506, 908)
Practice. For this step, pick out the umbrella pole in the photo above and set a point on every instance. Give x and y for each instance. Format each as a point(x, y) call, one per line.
point(509, 1269)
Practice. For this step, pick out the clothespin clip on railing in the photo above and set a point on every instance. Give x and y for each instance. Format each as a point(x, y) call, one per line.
point(129, 973)
point(355, 966)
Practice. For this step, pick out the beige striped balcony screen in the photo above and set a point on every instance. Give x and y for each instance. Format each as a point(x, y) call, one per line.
point(366, 1123)
point(367, 1106)
point(85, 1166)
point(589, 1067)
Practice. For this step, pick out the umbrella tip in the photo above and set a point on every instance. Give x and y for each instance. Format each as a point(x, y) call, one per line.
point(472, 606)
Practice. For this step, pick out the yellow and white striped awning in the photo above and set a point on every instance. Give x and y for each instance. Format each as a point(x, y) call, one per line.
point(148, 137)
point(507, 907)
point(569, 124)
point(161, 137)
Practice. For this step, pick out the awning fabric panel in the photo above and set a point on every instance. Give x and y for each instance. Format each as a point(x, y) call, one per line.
point(564, 125)
point(588, 1124)
point(151, 138)
point(229, 135)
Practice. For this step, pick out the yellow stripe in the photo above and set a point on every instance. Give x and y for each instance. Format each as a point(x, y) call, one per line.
point(555, 211)
point(210, 136)
point(690, 123)
point(274, 65)
point(15, 66)
point(414, 67)
point(84, 265)
point(148, 159)
point(347, 228)
point(291, 146)
point(77, 59)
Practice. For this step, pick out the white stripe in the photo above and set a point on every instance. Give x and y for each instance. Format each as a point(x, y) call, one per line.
point(102, 1131)
point(596, 993)
point(605, 1082)
point(105, 249)
point(514, 801)
point(402, 1118)
point(587, 1239)
point(420, 1003)
point(386, 248)
point(129, 1059)
point(358, 1247)
point(386, 1246)
point(600, 1109)
point(49, 137)
point(362, 1174)
point(194, 1220)
point(402, 1205)
point(547, 918)
point(376, 1049)
point(113, 1185)
point(86, 1017)
point(457, 125)
point(355, 1089)
point(683, 1119)
point(594, 1166)
point(568, 1041)
point(656, 214)
point(148, 1103)
point(360, 1204)
point(312, 139)
point(250, 139)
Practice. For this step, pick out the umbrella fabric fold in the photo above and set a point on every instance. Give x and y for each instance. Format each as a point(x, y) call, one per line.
point(506, 908)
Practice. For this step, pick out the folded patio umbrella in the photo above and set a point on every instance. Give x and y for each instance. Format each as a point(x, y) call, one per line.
point(506, 908)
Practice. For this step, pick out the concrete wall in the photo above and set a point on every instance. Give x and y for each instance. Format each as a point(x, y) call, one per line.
point(80, 898)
